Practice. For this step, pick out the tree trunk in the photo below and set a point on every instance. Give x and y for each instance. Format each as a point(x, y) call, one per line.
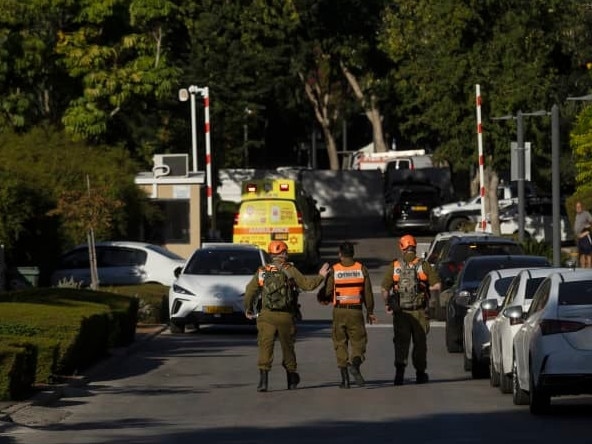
point(370, 109)
point(320, 101)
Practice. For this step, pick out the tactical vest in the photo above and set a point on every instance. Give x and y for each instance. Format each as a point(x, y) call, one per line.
point(348, 287)
point(407, 277)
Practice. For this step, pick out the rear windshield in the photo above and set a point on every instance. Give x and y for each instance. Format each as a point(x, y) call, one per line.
point(476, 271)
point(575, 293)
point(463, 251)
point(259, 213)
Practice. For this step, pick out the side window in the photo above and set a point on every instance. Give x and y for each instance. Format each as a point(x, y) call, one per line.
point(404, 164)
point(121, 257)
point(75, 259)
point(540, 297)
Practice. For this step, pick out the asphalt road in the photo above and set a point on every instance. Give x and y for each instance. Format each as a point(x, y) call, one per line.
point(200, 388)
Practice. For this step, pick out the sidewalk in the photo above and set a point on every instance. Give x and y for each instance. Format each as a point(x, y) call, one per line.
point(50, 393)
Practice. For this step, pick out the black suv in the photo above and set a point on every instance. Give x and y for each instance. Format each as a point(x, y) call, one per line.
point(463, 292)
point(408, 206)
point(452, 259)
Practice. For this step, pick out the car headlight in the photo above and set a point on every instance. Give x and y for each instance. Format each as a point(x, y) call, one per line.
point(178, 289)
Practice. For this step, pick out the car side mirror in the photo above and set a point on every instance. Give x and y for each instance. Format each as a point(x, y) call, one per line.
point(514, 313)
point(489, 304)
point(463, 298)
point(177, 271)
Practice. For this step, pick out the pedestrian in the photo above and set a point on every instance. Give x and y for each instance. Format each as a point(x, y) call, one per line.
point(348, 289)
point(277, 284)
point(409, 279)
point(582, 224)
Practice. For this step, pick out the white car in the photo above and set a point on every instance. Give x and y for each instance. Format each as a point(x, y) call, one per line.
point(480, 316)
point(210, 288)
point(538, 223)
point(553, 347)
point(504, 328)
point(118, 263)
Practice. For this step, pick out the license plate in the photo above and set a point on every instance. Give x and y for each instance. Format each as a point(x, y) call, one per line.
point(280, 236)
point(419, 208)
point(216, 309)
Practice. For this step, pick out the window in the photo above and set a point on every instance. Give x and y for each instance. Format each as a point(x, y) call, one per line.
point(120, 257)
point(575, 293)
point(173, 225)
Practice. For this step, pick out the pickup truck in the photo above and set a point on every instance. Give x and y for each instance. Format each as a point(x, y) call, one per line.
point(454, 216)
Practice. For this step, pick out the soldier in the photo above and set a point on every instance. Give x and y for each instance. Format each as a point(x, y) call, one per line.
point(410, 279)
point(277, 315)
point(349, 289)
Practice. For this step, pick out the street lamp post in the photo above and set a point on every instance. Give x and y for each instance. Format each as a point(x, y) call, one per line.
point(521, 164)
point(184, 95)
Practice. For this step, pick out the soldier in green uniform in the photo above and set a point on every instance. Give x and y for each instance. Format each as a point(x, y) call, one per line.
point(348, 289)
point(280, 322)
point(409, 280)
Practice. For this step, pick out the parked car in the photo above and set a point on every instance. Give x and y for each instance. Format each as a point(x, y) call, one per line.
point(431, 256)
point(210, 288)
point(407, 207)
point(463, 292)
point(503, 329)
point(553, 347)
point(538, 222)
point(458, 250)
point(480, 316)
point(456, 215)
point(118, 263)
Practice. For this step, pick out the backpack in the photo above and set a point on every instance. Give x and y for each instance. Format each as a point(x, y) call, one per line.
point(276, 292)
point(409, 294)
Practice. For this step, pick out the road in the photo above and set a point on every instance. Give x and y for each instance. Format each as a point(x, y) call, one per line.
point(200, 388)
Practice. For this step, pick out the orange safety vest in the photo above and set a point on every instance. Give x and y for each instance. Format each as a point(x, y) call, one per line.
point(348, 287)
point(421, 275)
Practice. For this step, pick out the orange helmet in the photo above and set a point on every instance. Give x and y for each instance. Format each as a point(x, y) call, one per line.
point(406, 242)
point(277, 247)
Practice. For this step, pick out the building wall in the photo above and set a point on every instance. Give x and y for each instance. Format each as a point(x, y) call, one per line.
point(181, 191)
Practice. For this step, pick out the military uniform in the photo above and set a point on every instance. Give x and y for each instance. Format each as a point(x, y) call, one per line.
point(280, 323)
point(349, 288)
point(410, 323)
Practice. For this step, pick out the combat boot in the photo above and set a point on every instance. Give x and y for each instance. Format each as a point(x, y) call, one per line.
point(344, 378)
point(354, 369)
point(399, 375)
point(263, 379)
point(293, 380)
point(421, 377)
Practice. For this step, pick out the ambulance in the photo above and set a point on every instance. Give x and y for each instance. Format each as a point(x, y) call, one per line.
point(279, 209)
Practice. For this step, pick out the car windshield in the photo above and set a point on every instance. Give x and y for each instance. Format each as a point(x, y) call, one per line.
point(223, 262)
point(575, 293)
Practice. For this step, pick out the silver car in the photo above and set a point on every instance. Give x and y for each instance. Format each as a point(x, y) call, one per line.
point(553, 348)
point(479, 317)
point(118, 263)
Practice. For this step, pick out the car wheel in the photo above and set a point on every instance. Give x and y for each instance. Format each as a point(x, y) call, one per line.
point(505, 382)
point(478, 370)
point(467, 363)
point(539, 398)
point(177, 327)
point(457, 224)
point(452, 342)
point(519, 396)
point(494, 376)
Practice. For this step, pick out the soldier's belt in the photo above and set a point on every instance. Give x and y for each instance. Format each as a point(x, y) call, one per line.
point(349, 306)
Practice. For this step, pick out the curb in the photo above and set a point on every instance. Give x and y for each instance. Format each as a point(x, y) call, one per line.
point(50, 393)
